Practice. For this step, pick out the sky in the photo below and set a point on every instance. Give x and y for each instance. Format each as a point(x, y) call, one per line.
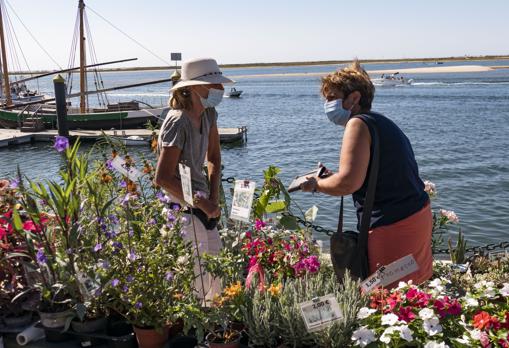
point(262, 31)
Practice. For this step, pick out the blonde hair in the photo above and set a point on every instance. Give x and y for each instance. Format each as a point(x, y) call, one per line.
point(181, 99)
point(350, 79)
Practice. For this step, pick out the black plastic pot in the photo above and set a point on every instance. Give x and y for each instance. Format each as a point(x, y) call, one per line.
point(183, 342)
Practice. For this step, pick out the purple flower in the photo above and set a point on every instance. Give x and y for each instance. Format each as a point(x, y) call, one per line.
point(123, 184)
point(170, 217)
point(41, 258)
point(110, 234)
point(15, 183)
point(125, 288)
point(69, 251)
point(138, 305)
point(108, 164)
point(129, 278)
point(61, 143)
point(98, 247)
point(115, 282)
point(162, 197)
point(169, 276)
point(184, 220)
point(98, 292)
point(113, 219)
point(132, 255)
point(175, 206)
point(200, 195)
point(152, 221)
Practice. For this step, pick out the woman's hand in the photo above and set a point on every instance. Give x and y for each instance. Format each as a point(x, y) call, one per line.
point(309, 185)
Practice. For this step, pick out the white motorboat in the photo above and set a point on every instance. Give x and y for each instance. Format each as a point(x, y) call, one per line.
point(392, 80)
point(234, 93)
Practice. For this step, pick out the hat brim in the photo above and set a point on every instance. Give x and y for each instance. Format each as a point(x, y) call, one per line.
point(206, 80)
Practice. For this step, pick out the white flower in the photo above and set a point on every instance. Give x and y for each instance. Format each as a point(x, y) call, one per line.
point(365, 312)
point(426, 313)
point(389, 319)
point(182, 260)
point(429, 187)
point(435, 282)
point(432, 326)
point(463, 340)
point(386, 335)
point(363, 336)
point(434, 344)
point(471, 302)
point(405, 333)
point(505, 290)
point(475, 334)
point(450, 215)
point(484, 284)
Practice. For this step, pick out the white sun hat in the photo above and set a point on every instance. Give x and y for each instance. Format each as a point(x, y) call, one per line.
point(200, 71)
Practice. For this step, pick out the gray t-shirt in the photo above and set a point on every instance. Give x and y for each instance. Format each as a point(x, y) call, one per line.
point(178, 130)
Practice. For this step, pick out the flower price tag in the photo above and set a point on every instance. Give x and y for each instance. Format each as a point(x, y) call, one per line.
point(120, 166)
point(185, 180)
point(242, 200)
point(390, 273)
point(320, 312)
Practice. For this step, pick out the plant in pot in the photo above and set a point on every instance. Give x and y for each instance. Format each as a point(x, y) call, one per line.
point(46, 217)
point(148, 263)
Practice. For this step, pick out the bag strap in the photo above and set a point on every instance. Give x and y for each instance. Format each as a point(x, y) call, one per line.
point(370, 193)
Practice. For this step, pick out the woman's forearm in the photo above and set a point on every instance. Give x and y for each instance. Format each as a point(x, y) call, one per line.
point(335, 185)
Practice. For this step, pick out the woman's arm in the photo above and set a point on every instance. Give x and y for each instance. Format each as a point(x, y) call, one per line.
point(166, 171)
point(353, 164)
point(214, 164)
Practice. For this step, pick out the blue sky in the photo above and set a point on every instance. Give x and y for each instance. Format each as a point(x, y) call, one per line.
point(267, 31)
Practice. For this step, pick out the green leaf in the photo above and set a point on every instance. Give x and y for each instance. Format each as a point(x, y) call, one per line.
point(289, 222)
point(275, 207)
point(16, 220)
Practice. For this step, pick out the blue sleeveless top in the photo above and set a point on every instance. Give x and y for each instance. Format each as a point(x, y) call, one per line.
point(399, 190)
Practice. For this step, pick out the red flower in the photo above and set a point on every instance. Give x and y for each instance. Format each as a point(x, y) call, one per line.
point(406, 314)
point(483, 320)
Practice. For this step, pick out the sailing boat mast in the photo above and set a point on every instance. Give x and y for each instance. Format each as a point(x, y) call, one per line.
point(7, 86)
point(83, 60)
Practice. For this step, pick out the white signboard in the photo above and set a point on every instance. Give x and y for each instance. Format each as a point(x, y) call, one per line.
point(242, 200)
point(119, 165)
point(320, 312)
point(390, 273)
point(185, 180)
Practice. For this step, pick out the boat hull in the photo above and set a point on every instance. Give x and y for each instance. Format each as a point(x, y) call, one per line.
point(91, 121)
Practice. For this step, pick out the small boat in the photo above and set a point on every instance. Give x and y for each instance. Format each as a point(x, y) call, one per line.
point(392, 80)
point(134, 140)
point(234, 93)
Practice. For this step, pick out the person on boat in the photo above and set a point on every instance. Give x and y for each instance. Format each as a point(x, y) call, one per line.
point(401, 221)
point(189, 135)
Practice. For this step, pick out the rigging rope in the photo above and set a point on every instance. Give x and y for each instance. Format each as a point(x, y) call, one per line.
point(33, 37)
point(134, 40)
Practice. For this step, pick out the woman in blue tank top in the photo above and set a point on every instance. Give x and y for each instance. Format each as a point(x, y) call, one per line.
point(401, 220)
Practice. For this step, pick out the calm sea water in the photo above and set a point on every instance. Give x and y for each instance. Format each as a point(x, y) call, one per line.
point(457, 123)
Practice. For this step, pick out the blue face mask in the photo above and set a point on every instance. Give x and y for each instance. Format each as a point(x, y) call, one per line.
point(335, 112)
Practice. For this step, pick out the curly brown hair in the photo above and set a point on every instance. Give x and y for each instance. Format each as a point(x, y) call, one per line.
point(350, 79)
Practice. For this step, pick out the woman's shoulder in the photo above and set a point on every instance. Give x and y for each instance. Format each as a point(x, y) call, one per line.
point(175, 118)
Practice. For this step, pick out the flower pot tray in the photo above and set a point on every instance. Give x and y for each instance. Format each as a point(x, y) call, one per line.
point(95, 339)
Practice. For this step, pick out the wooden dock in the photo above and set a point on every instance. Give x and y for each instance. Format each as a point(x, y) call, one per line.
point(11, 137)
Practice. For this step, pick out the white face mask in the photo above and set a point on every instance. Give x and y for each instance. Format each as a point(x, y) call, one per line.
point(335, 112)
point(214, 98)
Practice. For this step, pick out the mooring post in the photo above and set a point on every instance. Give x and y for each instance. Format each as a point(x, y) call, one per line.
point(59, 85)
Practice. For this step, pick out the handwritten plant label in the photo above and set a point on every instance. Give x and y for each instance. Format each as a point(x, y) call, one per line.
point(390, 273)
point(320, 312)
point(120, 166)
point(242, 200)
point(185, 180)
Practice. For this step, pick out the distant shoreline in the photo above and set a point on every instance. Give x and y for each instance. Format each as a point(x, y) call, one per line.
point(309, 63)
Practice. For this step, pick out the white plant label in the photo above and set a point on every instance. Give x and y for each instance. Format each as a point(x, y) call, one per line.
point(391, 273)
point(185, 180)
point(320, 312)
point(242, 200)
point(120, 166)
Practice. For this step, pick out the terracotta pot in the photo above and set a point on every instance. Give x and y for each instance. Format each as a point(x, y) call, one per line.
point(88, 326)
point(150, 338)
point(213, 342)
point(55, 320)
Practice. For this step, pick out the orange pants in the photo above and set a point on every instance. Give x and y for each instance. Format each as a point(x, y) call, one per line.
point(411, 235)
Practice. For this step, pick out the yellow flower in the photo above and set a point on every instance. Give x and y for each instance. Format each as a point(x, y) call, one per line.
point(233, 290)
point(275, 290)
point(218, 301)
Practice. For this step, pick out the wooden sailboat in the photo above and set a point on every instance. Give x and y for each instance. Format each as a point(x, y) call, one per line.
point(119, 115)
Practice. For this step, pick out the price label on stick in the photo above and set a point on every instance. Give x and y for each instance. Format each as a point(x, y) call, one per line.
point(185, 180)
point(320, 312)
point(390, 273)
point(242, 200)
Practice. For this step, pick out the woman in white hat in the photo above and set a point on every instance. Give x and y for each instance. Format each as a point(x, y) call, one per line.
point(189, 135)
